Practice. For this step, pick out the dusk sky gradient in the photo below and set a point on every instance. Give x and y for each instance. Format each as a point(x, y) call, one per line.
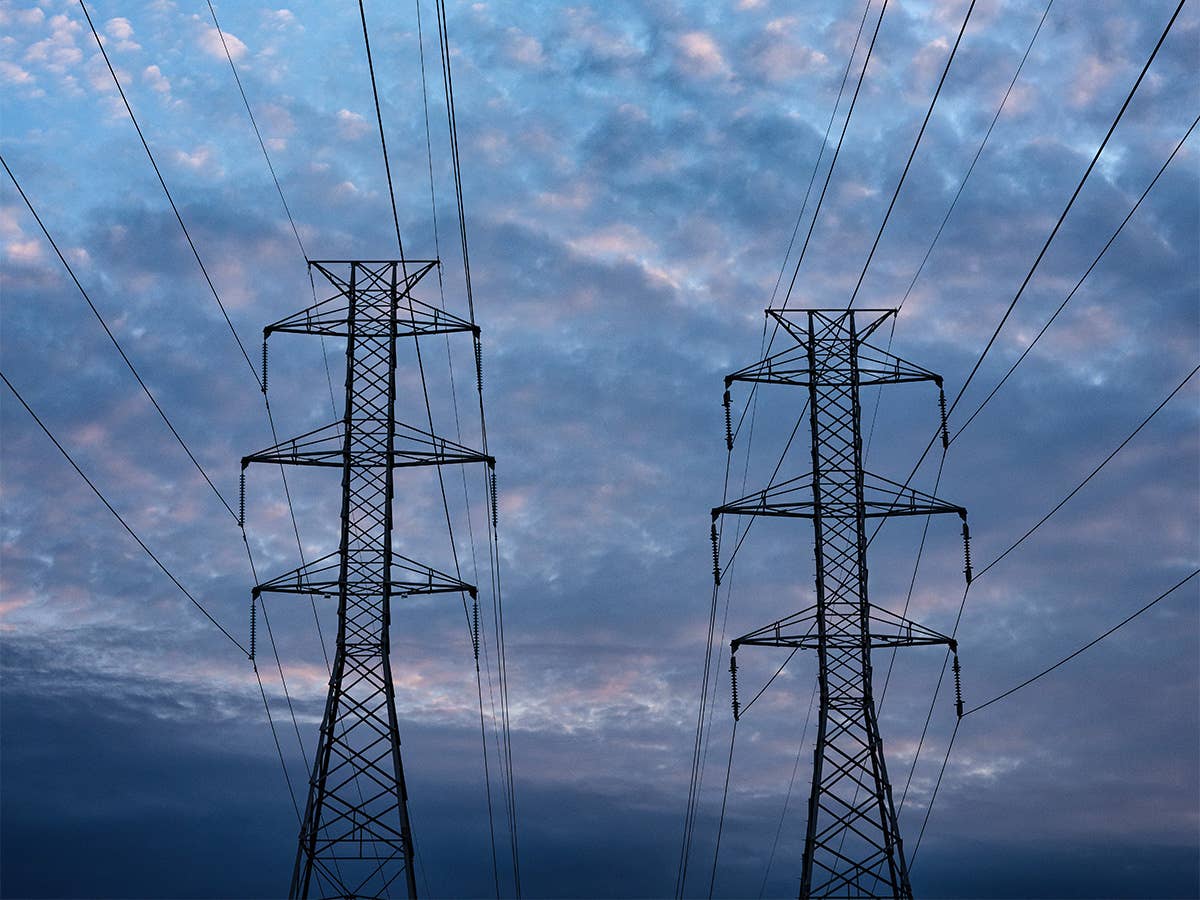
point(632, 173)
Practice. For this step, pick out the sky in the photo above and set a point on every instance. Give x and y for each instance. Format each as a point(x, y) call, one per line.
point(632, 174)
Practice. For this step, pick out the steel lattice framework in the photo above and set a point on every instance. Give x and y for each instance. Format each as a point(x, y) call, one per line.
point(356, 837)
point(852, 844)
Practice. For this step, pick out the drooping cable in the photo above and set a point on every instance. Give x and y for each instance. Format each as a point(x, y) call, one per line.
point(287, 210)
point(1078, 283)
point(494, 549)
point(1070, 203)
point(133, 534)
point(762, 889)
point(117, 344)
point(1026, 683)
point(258, 134)
point(712, 880)
point(1016, 544)
point(196, 253)
point(1121, 446)
point(1087, 646)
point(978, 152)
point(862, 75)
point(1045, 246)
point(167, 191)
point(804, 206)
point(182, 443)
point(912, 154)
point(466, 493)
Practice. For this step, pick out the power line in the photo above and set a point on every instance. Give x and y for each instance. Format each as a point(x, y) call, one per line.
point(212, 287)
point(820, 154)
point(1088, 645)
point(978, 152)
point(788, 795)
point(721, 820)
point(933, 797)
point(124, 524)
point(493, 545)
point(1070, 203)
point(112, 337)
point(1026, 683)
point(1078, 284)
point(216, 296)
point(917, 143)
point(1012, 547)
point(1045, 246)
point(1090, 475)
point(862, 76)
point(258, 134)
point(167, 191)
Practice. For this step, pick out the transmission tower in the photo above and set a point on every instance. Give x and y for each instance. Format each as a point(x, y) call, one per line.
point(356, 837)
point(852, 845)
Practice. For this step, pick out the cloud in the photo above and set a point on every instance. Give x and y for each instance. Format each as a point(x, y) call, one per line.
point(210, 42)
point(201, 159)
point(701, 55)
point(57, 53)
point(154, 77)
point(120, 29)
point(524, 49)
point(351, 125)
point(11, 73)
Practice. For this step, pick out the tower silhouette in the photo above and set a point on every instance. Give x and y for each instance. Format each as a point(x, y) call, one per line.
point(852, 845)
point(356, 836)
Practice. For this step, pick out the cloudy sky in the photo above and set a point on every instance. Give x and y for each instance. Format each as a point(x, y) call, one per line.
point(632, 175)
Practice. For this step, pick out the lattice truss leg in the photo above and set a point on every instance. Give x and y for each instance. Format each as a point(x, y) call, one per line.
point(852, 844)
point(355, 837)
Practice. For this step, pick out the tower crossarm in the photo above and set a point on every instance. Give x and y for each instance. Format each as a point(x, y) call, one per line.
point(800, 630)
point(793, 366)
point(411, 446)
point(321, 577)
point(881, 498)
point(331, 317)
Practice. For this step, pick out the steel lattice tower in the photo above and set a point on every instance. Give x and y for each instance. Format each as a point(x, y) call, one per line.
point(355, 837)
point(852, 845)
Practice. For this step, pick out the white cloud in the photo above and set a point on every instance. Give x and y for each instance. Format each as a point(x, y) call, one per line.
point(119, 27)
point(280, 18)
point(524, 49)
point(154, 77)
point(24, 251)
point(202, 159)
point(210, 43)
point(701, 54)
point(11, 73)
point(351, 125)
point(22, 16)
point(58, 52)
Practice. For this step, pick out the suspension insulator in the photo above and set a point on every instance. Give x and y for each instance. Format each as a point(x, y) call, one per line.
point(242, 500)
point(475, 627)
point(716, 548)
point(264, 372)
point(737, 707)
point(728, 424)
point(966, 533)
point(479, 364)
point(253, 624)
point(945, 427)
point(958, 701)
point(495, 513)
